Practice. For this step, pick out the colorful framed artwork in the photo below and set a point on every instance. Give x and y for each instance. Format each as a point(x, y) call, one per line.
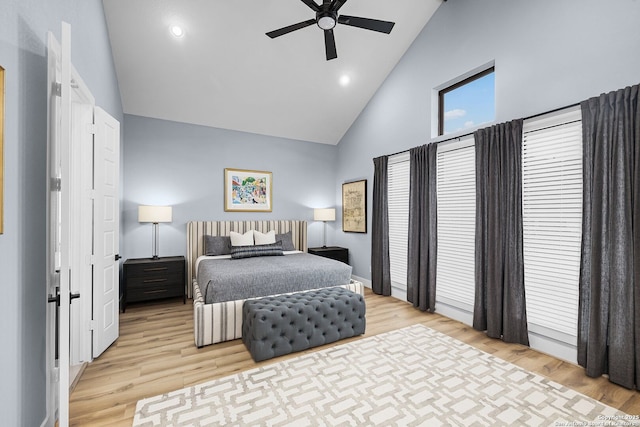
point(247, 190)
point(1, 150)
point(354, 206)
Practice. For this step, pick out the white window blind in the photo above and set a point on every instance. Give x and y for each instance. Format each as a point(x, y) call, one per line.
point(398, 208)
point(552, 223)
point(456, 225)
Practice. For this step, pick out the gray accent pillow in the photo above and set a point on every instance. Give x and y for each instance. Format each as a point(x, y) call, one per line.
point(287, 241)
point(273, 249)
point(217, 245)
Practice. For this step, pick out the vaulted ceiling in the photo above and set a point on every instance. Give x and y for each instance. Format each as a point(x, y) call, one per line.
point(225, 72)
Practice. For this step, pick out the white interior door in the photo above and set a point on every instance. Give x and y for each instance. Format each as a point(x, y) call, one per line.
point(83, 226)
point(82, 195)
point(106, 231)
point(54, 105)
point(65, 227)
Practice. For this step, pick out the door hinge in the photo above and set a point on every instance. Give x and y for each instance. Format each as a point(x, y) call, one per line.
point(91, 128)
point(92, 325)
point(55, 374)
point(57, 89)
point(56, 184)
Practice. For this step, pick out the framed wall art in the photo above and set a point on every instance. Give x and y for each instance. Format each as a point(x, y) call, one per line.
point(354, 206)
point(247, 190)
point(1, 150)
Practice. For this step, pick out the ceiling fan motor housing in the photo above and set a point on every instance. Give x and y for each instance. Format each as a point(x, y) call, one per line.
point(326, 19)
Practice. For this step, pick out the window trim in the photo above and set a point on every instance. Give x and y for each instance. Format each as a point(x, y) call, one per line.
point(443, 92)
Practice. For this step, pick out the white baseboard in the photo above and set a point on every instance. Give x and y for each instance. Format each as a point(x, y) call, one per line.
point(400, 294)
point(537, 341)
point(365, 282)
point(454, 313)
point(553, 347)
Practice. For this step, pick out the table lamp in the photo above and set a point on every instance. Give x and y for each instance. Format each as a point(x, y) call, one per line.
point(324, 215)
point(155, 215)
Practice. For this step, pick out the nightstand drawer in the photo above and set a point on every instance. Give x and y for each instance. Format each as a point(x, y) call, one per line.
point(154, 269)
point(145, 293)
point(176, 279)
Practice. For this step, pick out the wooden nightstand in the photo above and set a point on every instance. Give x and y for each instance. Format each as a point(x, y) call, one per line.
point(333, 252)
point(148, 279)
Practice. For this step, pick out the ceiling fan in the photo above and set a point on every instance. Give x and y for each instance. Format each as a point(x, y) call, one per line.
point(327, 18)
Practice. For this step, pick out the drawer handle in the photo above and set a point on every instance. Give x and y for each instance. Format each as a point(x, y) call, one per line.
point(156, 291)
point(154, 280)
point(156, 269)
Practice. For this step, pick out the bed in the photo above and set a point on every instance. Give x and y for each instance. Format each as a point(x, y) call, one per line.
point(221, 319)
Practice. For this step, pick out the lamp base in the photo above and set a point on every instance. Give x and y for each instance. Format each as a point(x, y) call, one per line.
point(155, 240)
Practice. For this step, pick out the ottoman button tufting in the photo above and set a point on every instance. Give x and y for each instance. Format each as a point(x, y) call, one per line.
point(286, 315)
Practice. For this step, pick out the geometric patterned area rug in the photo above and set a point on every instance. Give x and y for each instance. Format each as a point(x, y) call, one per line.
point(413, 376)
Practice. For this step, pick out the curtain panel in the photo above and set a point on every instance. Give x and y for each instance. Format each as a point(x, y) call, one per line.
point(422, 249)
point(380, 270)
point(609, 295)
point(499, 306)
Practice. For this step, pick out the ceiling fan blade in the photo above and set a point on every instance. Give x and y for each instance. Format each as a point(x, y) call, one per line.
point(285, 30)
point(336, 5)
point(312, 4)
point(366, 23)
point(330, 45)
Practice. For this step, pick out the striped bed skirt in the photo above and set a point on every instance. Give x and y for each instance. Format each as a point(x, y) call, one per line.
point(222, 321)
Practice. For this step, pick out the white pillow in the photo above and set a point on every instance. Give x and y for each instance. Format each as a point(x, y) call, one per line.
point(264, 239)
point(238, 239)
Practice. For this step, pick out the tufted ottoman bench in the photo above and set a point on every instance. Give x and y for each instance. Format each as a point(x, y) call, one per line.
point(283, 324)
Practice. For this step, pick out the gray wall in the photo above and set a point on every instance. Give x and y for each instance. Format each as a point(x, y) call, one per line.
point(178, 164)
point(23, 34)
point(548, 54)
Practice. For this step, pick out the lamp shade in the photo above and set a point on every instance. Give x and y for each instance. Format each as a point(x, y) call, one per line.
point(328, 214)
point(154, 214)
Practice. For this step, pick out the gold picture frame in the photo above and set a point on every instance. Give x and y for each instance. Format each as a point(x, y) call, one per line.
point(354, 206)
point(247, 190)
point(1, 150)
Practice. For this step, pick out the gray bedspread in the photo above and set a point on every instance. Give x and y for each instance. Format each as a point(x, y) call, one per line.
point(234, 279)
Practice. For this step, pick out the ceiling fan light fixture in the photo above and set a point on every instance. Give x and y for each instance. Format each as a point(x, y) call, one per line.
point(326, 20)
point(176, 31)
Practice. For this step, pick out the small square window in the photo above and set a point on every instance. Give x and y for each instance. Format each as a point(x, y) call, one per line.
point(468, 103)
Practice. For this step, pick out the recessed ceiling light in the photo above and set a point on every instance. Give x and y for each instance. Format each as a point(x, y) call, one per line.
point(176, 31)
point(345, 80)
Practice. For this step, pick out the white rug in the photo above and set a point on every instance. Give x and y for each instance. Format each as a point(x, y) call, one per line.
point(409, 377)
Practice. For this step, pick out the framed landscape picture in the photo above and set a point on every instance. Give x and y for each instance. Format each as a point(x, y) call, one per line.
point(247, 190)
point(354, 206)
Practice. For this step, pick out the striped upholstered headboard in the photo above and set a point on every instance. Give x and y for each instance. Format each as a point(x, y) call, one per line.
point(197, 229)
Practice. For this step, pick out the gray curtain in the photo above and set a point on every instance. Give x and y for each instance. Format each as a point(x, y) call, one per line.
point(609, 298)
point(380, 273)
point(422, 250)
point(499, 306)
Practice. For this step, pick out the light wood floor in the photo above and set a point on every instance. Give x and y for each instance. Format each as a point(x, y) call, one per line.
point(155, 354)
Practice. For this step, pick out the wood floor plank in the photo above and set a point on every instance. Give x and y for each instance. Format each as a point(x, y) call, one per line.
point(155, 354)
